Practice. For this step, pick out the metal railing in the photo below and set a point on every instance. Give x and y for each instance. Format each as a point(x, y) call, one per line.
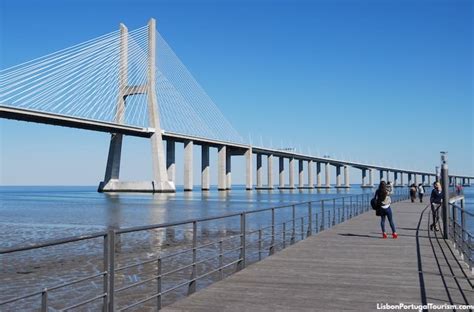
point(171, 258)
point(458, 232)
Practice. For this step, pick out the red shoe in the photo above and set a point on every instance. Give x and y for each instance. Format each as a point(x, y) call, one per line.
point(394, 235)
point(384, 235)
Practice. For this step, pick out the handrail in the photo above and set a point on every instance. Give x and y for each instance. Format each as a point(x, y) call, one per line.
point(458, 231)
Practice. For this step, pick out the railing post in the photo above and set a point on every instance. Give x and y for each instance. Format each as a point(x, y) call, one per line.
point(242, 240)
point(221, 260)
point(351, 207)
point(272, 247)
point(316, 223)
point(343, 209)
point(192, 283)
point(105, 281)
point(463, 235)
point(259, 244)
point(158, 281)
point(329, 218)
point(44, 300)
point(310, 220)
point(453, 225)
point(111, 269)
point(322, 215)
point(333, 212)
point(293, 220)
point(302, 228)
point(284, 234)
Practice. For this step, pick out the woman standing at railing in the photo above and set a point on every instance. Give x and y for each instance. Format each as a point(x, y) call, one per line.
point(436, 199)
point(382, 196)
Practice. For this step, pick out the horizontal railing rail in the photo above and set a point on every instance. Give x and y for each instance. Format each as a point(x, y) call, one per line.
point(248, 237)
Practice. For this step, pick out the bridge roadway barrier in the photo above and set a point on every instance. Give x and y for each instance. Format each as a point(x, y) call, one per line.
point(348, 267)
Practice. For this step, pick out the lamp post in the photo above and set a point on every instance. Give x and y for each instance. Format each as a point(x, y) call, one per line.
point(445, 185)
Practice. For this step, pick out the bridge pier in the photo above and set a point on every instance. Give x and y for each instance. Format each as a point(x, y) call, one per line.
point(171, 160)
point(338, 176)
point(364, 183)
point(300, 174)
point(327, 176)
point(410, 181)
point(188, 166)
point(228, 169)
point(270, 171)
point(205, 174)
point(281, 171)
point(310, 174)
point(248, 172)
point(291, 166)
point(259, 171)
point(221, 167)
point(318, 175)
point(347, 183)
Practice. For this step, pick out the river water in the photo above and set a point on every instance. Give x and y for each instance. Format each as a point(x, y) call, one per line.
point(31, 214)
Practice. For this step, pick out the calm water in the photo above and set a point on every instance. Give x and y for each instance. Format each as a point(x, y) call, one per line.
point(35, 214)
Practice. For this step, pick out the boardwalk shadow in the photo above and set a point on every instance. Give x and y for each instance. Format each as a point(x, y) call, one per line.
point(359, 235)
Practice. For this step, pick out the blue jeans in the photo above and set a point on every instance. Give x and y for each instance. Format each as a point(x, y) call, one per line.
point(387, 213)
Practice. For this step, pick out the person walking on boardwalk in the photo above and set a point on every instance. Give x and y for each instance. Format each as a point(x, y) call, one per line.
point(421, 192)
point(436, 199)
point(382, 196)
point(413, 192)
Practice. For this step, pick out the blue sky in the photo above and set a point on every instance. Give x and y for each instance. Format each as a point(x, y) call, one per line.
point(388, 82)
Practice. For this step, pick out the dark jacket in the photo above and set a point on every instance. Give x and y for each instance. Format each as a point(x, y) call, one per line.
point(436, 197)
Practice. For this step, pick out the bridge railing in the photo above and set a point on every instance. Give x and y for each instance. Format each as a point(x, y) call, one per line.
point(152, 266)
point(459, 233)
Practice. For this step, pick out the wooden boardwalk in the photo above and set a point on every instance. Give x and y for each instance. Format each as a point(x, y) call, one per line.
point(348, 267)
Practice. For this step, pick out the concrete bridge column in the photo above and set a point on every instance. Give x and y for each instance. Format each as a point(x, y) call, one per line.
point(300, 174)
point(249, 171)
point(310, 174)
point(328, 177)
point(364, 176)
point(171, 160)
point(205, 175)
point(423, 179)
point(221, 170)
point(371, 178)
point(228, 170)
point(338, 176)
point(281, 170)
point(416, 178)
point(270, 171)
point(259, 171)
point(318, 174)
point(347, 183)
point(429, 180)
point(410, 181)
point(401, 178)
point(395, 178)
point(292, 172)
point(188, 165)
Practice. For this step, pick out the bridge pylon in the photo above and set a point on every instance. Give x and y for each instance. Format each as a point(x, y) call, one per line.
point(160, 182)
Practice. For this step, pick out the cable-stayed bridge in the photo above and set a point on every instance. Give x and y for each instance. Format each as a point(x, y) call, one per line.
point(132, 83)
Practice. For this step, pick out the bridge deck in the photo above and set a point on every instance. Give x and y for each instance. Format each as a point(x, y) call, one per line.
point(348, 267)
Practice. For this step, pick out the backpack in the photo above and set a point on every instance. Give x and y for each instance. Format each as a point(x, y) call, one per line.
point(374, 204)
